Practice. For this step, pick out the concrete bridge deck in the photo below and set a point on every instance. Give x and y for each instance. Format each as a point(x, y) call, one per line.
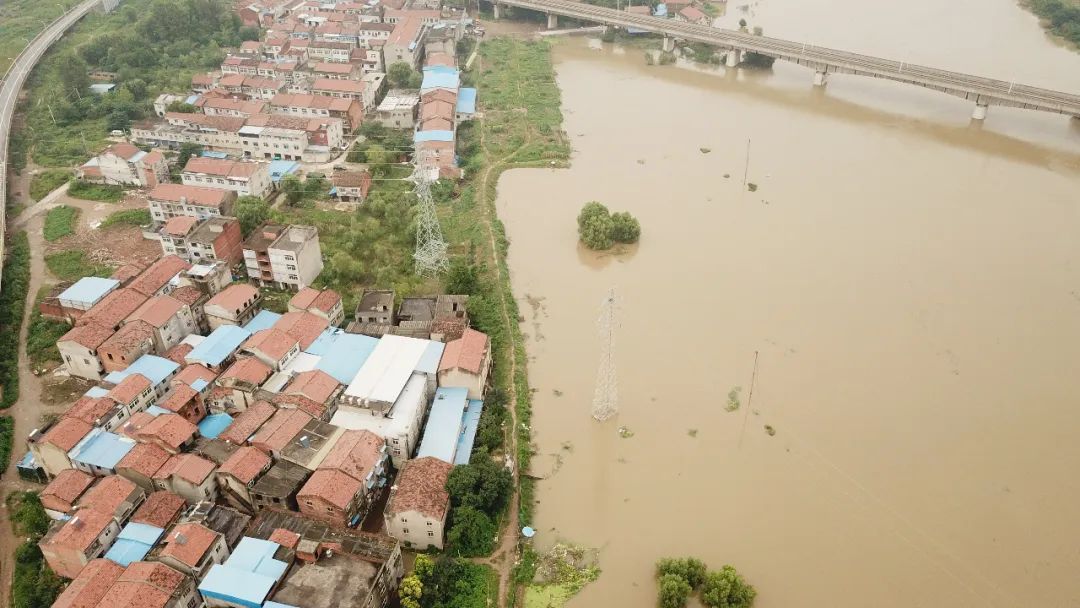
point(983, 91)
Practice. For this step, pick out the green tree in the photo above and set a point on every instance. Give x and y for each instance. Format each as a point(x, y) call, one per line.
point(596, 232)
point(591, 210)
point(463, 277)
point(180, 106)
point(674, 591)
point(400, 75)
point(472, 533)
point(252, 211)
point(727, 589)
point(187, 150)
point(624, 228)
point(316, 186)
point(482, 484)
point(73, 72)
point(691, 569)
point(248, 32)
point(411, 590)
point(293, 189)
point(137, 87)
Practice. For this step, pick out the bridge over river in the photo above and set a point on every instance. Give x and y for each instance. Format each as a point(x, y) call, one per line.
point(984, 92)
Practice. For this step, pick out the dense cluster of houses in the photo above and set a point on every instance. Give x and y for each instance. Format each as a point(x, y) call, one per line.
point(226, 454)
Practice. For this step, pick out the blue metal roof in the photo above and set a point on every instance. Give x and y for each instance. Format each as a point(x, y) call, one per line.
point(27, 461)
point(445, 70)
point(440, 77)
point(212, 425)
point(133, 543)
point(466, 101)
point(468, 431)
point(247, 576)
point(199, 385)
point(346, 355)
point(429, 361)
point(420, 136)
point(281, 168)
point(209, 154)
point(156, 369)
point(95, 392)
point(217, 347)
point(157, 410)
point(89, 289)
point(325, 340)
point(278, 605)
point(102, 88)
point(443, 427)
point(264, 320)
point(101, 449)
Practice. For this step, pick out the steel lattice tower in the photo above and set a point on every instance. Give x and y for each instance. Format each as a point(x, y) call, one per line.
point(606, 399)
point(430, 254)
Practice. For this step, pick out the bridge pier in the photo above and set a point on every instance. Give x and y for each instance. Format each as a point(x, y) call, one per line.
point(819, 78)
point(733, 57)
point(553, 21)
point(980, 111)
point(669, 44)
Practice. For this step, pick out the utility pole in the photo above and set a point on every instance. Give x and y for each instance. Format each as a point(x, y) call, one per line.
point(606, 398)
point(746, 169)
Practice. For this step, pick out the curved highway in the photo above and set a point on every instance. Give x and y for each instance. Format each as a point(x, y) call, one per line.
point(983, 91)
point(15, 78)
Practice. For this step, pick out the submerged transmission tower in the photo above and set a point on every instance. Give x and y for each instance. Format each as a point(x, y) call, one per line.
point(606, 399)
point(430, 254)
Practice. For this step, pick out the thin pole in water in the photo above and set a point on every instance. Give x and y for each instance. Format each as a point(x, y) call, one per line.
point(746, 169)
point(749, 399)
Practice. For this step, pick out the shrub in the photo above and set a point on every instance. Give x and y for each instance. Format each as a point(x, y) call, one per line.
point(104, 193)
point(16, 281)
point(43, 335)
point(674, 591)
point(60, 222)
point(727, 589)
point(73, 265)
point(691, 569)
point(47, 181)
point(7, 439)
point(599, 229)
point(472, 532)
point(127, 217)
point(625, 228)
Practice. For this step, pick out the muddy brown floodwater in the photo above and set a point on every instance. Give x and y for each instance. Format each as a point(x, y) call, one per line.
point(909, 284)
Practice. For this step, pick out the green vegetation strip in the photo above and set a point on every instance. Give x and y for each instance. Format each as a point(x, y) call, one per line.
point(47, 181)
point(74, 265)
point(16, 281)
point(449, 582)
point(95, 192)
point(7, 439)
point(1062, 17)
point(43, 334)
point(34, 584)
point(60, 222)
point(127, 217)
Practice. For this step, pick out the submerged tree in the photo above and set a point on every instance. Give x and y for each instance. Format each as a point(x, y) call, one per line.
point(727, 589)
point(600, 229)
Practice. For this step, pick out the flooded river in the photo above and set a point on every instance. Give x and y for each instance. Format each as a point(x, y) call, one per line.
point(899, 301)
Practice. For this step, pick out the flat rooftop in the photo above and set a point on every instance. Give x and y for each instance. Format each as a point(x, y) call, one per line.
point(375, 548)
point(328, 583)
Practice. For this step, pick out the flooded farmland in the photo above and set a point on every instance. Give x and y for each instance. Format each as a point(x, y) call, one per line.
point(898, 301)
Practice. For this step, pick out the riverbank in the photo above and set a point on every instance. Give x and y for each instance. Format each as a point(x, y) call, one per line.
point(1061, 18)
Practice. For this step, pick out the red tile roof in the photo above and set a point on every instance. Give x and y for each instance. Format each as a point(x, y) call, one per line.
point(157, 311)
point(271, 342)
point(108, 495)
point(90, 409)
point(170, 429)
point(132, 336)
point(179, 397)
point(353, 87)
point(66, 433)
point(80, 531)
point(188, 467)
point(692, 13)
point(277, 432)
point(64, 489)
point(93, 582)
point(326, 301)
point(129, 388)
point(114, 307)
point(245, 464)
point(302, 326)
point(90, 335)
point(187, 294)
point(356, 453)
point(311, 407)
point(180, 225)
point(136, 423)
point(221, 167)
point(465, 353)
point(160, 509)
point(188, 543)
point(160, 272)
point(421, 487)
point(303, 298)
point(247, 369)
point(190, 373)
point(233, 298)
point(315, 384)
point(144, 458)
point(144, 585)
point(331, 485)
point(177, 353)
point(285, 538)
point(247, 422)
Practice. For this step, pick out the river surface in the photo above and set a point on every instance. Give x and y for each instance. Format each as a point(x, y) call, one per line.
point(899, 301)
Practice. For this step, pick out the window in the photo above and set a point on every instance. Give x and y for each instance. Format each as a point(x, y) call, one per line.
point(404, 521)
point(430, 533)
point(405, 530)
point(429, 524)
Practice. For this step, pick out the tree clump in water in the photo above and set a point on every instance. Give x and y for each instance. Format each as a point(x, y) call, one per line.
point(680, 577)
point(600, 229)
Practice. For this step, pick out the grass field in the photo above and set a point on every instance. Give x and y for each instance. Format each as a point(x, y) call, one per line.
point(127, 217)
point(74, 265)
point(60, 222)
point(103, 193)
point(47, 181)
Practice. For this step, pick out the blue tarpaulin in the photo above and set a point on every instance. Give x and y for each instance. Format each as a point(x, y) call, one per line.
point(214, 424)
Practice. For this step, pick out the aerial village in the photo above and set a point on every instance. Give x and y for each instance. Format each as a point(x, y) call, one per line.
point(228, 455)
